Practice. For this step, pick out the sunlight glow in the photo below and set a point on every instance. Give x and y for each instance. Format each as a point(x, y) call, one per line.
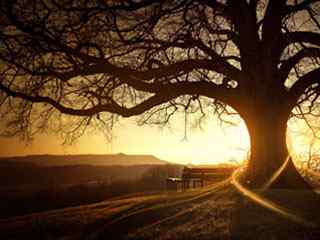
point(213, 143)
point(210, 145)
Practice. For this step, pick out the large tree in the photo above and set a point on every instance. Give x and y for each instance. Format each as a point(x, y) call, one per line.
point(94, 59)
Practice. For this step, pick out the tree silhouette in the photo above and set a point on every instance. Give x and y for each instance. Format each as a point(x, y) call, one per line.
point(99, 59)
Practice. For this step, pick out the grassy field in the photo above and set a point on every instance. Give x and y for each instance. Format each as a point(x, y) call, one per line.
point(85, 220)
point(217, 211)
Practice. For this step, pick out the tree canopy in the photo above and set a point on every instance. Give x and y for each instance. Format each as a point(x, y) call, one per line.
point(100, 59)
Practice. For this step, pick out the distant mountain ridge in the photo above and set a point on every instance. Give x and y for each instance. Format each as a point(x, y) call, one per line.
point(86, 159)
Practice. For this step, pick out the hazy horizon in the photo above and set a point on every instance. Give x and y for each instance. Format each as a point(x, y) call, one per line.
point(211, 145)
point(207, 146)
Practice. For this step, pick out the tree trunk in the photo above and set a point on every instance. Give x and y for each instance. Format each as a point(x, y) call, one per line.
point(267, 129)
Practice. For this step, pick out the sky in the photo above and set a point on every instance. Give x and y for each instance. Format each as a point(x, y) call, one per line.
point(211, 144)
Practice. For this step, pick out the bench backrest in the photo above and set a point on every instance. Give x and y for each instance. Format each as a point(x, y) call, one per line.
point(207, 173)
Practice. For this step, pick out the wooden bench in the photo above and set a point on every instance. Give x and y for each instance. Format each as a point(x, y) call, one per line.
point(200, 176)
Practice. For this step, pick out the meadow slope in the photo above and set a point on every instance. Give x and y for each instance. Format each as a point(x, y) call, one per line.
point(217, 211)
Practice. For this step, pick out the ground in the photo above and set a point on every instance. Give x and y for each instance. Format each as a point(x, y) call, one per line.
point(218, 211)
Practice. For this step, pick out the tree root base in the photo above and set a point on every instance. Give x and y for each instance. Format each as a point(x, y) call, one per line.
point(288, 178)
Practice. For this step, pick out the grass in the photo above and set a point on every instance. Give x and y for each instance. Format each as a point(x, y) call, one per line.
point(215, 212)
point(250, 219)
point(149, 219)
point(74, 222)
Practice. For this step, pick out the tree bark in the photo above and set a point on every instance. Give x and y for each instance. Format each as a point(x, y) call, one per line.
point(267, 129)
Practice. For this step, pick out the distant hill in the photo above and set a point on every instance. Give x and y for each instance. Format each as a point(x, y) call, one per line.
point(90, 159)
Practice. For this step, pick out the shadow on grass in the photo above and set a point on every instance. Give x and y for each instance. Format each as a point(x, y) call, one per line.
point(251, 221)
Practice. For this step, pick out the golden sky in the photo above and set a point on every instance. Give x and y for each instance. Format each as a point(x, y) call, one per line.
point(213, 144)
